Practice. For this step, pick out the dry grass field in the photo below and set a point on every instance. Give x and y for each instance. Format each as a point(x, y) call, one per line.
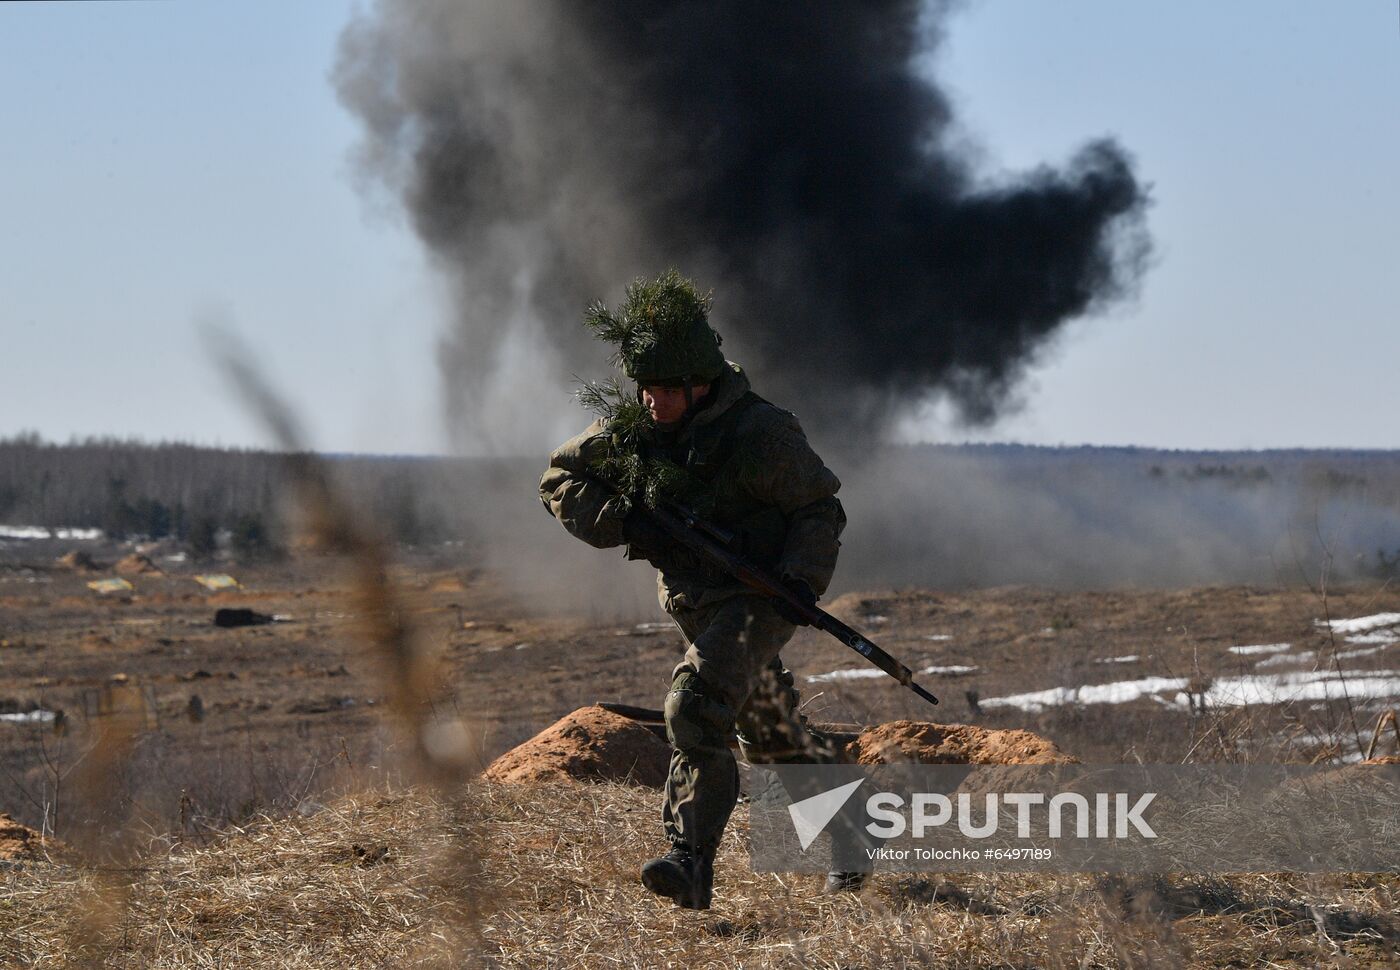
point(283, 821)
point(551, 882)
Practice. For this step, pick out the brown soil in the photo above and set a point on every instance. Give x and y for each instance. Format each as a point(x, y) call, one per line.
point(953, 744)
point(590, 744)
point(593, 744)
point(18, 843)
point(79, 562)
point(283, 700)
point(137, 565)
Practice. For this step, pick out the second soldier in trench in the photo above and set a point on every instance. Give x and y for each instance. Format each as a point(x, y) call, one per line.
point(689, 427)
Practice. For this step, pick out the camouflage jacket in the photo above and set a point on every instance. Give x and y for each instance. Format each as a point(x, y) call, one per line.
point(766, 484)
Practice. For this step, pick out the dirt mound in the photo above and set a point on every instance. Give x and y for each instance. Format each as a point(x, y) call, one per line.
point(590, 744)
point(953, 744)
point(79, 562)
point(18, 843)
point(137, 565)
point(593, 744)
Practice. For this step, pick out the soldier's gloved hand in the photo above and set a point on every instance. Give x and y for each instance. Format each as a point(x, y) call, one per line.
point(643, 536)
point(803, 592)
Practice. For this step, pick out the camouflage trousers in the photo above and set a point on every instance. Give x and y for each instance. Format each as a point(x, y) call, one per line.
point(732, 679)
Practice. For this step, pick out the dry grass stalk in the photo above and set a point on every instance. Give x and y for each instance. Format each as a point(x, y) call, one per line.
point(99, 834)
point(1386, 717)
point(442, 751)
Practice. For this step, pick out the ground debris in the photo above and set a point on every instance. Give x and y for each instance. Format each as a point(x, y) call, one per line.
point(230, 617)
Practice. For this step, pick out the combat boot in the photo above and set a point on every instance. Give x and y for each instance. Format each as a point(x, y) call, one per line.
point(682, 875)
point(845, 882)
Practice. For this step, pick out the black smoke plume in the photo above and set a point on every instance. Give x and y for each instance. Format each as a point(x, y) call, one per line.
point(795, 157)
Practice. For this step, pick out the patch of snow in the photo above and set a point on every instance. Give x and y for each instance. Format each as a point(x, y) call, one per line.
point(938, 636)
point(1314, 740)
point(655, 627)
point(1129, 659)
point(1261, 648)
point(1364, 652)
point(1361, 624)
point(176, 557)
point(26, 576)
point(1381, 636)
point(875, 619)
point(41, 532)
point(1348, 755)
point(39, 716)
point(1312, 685)
point(858, 673)
point(1120, 692)
point(1307, 656)
point(870, 673)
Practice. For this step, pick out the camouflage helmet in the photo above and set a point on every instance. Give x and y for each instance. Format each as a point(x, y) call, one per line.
point(662, 332)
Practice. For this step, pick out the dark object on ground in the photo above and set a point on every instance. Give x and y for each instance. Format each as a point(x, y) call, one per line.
point(367, 856)
point(845, 882)
point(1158, 897)
point(137, 565)
point(683, 876)
point(322, 706)
point(920, 890)
point(240, 617)
point(79, 562)
point(648, 715)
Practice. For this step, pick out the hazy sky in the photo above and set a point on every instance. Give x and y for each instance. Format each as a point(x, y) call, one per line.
point(167, 163)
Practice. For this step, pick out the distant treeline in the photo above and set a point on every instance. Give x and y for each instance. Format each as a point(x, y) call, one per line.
point(941, 515)
point(203, 497)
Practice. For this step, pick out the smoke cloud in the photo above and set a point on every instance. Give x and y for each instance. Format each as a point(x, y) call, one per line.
point(795, 157)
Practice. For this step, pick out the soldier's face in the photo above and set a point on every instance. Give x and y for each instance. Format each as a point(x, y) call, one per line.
point(667, 404)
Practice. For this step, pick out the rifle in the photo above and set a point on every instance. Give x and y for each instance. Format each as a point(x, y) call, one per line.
point(715, 544)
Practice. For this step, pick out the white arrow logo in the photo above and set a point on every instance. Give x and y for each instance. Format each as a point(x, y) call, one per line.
point(810, 815)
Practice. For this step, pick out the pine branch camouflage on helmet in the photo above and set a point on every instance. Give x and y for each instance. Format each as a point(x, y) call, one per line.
point(661, 330)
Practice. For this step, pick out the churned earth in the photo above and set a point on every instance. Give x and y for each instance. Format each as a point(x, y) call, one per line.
point(240, 718)
point(275, 826)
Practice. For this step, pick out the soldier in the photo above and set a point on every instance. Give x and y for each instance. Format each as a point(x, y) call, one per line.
point(707, 438)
